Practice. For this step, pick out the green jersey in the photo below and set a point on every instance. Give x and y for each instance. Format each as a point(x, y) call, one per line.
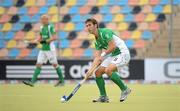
point(46, 32)
point(104, 36)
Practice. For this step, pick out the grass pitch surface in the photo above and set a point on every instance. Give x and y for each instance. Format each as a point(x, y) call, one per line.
point(46, 97)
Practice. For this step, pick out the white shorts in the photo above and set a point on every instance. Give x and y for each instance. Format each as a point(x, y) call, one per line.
point(44, 56)
point(119, 60)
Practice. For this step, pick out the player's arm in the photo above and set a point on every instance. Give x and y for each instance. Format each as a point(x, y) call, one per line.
point(111, 48)
point(53, 38)
point(96, 62)
point(97, 56)
point(35, 41)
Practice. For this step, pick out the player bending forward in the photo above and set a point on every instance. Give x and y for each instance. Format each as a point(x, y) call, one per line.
point(47, 52)
point(111, 53)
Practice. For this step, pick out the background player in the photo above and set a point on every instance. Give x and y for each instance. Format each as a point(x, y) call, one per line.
point(108, 44)
point(47, 52)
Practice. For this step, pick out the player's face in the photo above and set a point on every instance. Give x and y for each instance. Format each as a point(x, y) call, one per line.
point(91, 27)
point(44, 21)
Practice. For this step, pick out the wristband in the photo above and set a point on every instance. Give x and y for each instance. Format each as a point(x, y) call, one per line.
point(103, 54)
point(43, 42)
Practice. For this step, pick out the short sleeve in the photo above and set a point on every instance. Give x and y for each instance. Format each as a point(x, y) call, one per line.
point(109, 36)
point(40, 33)
point(52, 30)
point(97, 46)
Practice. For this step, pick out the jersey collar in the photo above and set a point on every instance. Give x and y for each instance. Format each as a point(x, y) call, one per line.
point(99, 34)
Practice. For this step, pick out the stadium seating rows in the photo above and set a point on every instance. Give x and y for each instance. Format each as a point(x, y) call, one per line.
point(134, 20)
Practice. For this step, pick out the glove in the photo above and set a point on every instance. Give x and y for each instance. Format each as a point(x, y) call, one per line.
point(31, 45)
point(43, 42)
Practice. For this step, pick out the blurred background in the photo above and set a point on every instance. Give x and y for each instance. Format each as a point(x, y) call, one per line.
point(150, 29)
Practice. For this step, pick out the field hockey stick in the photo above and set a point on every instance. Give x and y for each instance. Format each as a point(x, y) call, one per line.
point(29, 44)
point(67, 98)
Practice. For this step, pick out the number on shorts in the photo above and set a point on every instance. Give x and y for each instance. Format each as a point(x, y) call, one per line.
point(115, 59)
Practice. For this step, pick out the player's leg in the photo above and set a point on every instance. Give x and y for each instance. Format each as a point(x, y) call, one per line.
point(37, 71)
point(60, 75)
point(35, 76)
point(101, 85)
point(40, 60)
point(114, 76)
point(112, 71)
point(53, 60)
point(100, 81)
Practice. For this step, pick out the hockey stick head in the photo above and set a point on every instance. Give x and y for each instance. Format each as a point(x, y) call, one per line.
point(64, 99)
point(67, 98)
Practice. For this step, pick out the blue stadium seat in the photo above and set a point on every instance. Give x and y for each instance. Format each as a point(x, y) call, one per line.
point(108, 18)
point(147, 35)
point(64, 43)
point(35, 18)
point(2, 43)
point(129, 18)
point(13, 52)
point(122, 2)
point(129, 43)
point(88, 52)
point(34, 53)
point(104, 9)
point(157, 9)
point(164, 2)
point(51, 2)
point(76, 18)
point(126, 9)
point(62, 35)
point(22, 10)
point(112, 2)
point(1, 35)
point(7, 3)
point(25, 18)
point(9, 35)
point(79, 26)
point(86, 17)
point(176, 2)
point(17, 27)
point(43, 10)
point(81, 2)
point(74, 10)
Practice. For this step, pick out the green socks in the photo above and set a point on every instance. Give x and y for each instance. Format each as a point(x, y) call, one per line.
point(38, 70)
point(59, 72)
point(101, 85)
point(36, 73)
point(117, 80)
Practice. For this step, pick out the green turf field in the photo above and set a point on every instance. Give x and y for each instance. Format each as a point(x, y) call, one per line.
point(46, 97)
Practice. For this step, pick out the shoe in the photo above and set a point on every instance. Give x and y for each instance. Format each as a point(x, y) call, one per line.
point(124, 94)
point(59, 83)
point(29, 83)
point(102, 99)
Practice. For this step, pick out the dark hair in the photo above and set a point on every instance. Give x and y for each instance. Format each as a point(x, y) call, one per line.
point(94, 21)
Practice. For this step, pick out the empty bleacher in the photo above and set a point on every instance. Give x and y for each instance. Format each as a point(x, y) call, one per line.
point(160, 46)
